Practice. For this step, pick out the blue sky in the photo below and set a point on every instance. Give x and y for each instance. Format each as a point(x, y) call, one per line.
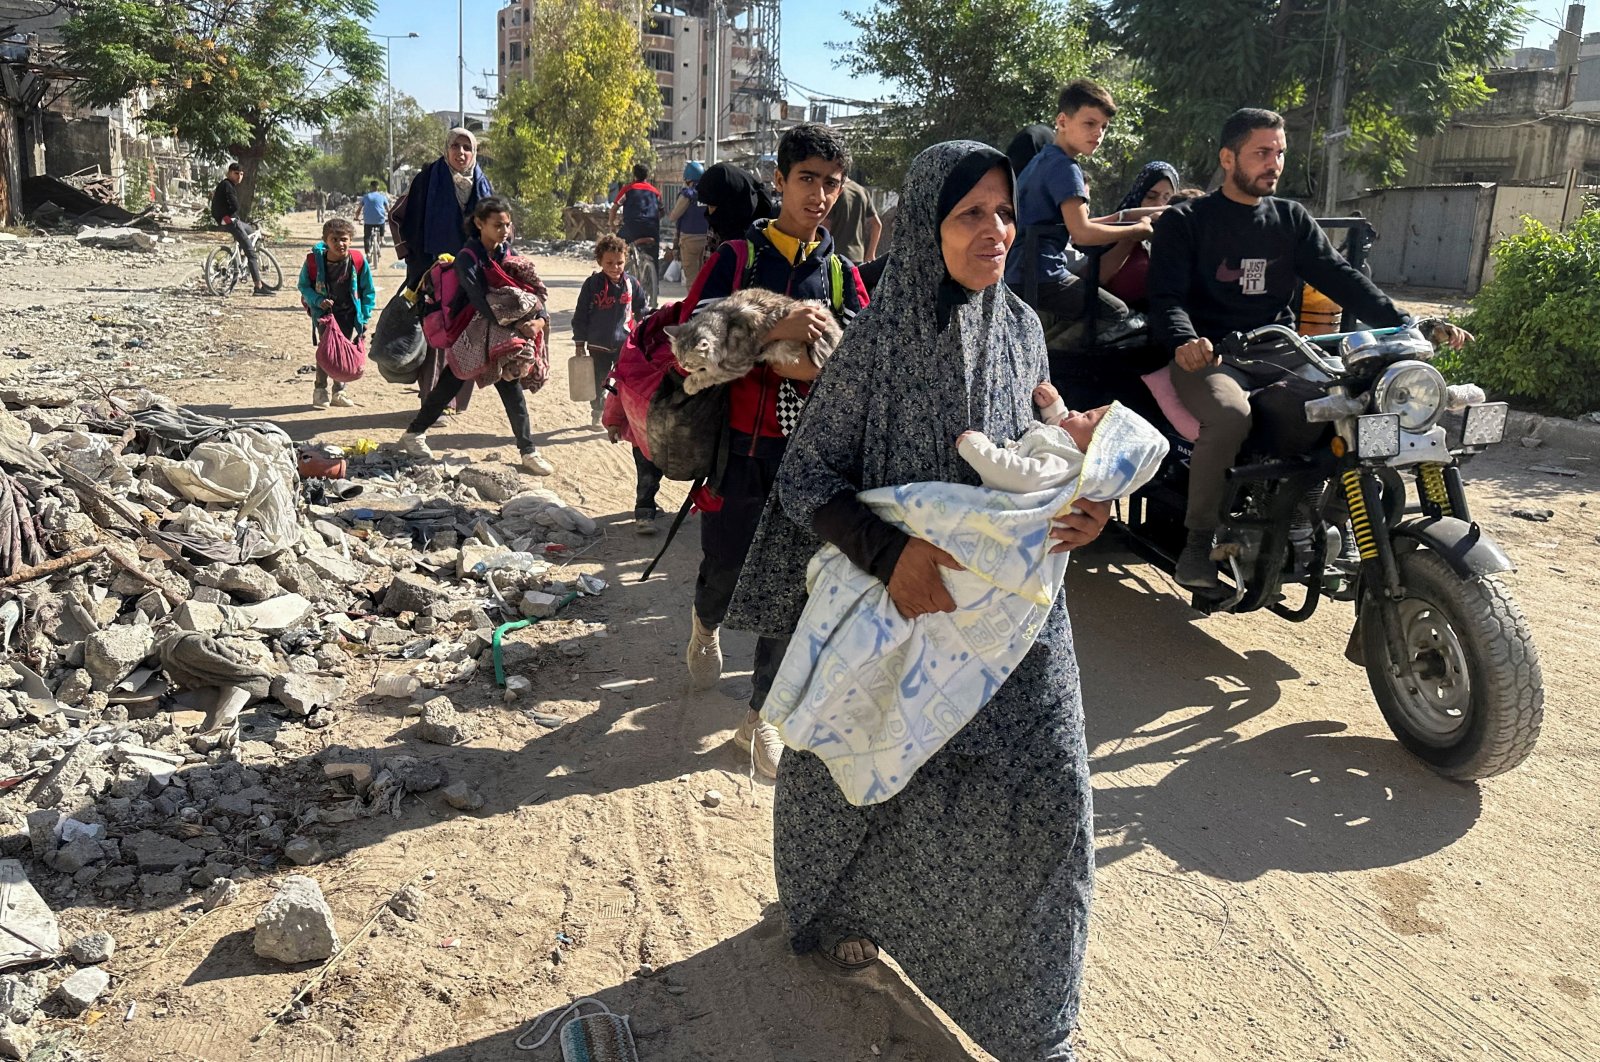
point(426, 67)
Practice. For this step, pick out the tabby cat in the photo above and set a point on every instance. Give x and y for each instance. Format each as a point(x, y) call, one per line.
point(723, 341)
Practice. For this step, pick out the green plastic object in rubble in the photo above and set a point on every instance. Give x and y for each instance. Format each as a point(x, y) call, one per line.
point(517, 625)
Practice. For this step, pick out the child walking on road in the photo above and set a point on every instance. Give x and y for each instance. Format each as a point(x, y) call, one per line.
point(336, 281)
point(608, 306)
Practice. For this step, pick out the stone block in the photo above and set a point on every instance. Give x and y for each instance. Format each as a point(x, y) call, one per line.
point(441, 723)
point(80, 991)
point(303, 694)
point(111, 655)
point(296, 925)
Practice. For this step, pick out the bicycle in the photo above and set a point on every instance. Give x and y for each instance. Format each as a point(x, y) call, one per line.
point(373, 245)
point(225, 265)
point(643, 267)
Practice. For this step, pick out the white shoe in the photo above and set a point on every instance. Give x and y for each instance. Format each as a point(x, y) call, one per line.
point(415, 444)
point(704, 656)
point(319, 398)
point(533, 461)
point(760, 738)
point(342, 398)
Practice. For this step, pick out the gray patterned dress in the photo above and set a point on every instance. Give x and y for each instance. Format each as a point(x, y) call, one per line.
point(977, 876)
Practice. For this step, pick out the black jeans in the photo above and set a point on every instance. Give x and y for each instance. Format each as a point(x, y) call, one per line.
point(241, 233)
point(511, 396)
point(647, 480)
point(725, 537)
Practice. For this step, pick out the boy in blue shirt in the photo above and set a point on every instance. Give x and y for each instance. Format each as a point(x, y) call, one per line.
point(374, 216)
point(1053, 216)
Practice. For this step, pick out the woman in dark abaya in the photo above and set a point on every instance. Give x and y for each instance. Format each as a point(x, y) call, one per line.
point(733, 200)
point(443, 195)
point(977, 876)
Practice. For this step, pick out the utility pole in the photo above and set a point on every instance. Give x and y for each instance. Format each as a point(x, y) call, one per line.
point(1338, 130)
point(461, 65)
point(388, 80)
point(714, 81)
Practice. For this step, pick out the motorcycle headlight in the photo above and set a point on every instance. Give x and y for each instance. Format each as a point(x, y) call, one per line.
point(1413, 391)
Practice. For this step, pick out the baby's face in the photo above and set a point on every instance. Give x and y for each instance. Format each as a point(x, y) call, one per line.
point(1080, 426)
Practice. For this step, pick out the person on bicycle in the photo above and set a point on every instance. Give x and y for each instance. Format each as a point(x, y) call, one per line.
point(641, 206)
point(374, 216)
point(1231, 262)
point(225, 212)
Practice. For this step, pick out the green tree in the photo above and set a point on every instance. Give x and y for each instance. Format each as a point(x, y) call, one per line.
point(981, 69)
point(1411, 64)
point(360, 146)
point(232, 78)
point(585, 114)
point(1533, 322)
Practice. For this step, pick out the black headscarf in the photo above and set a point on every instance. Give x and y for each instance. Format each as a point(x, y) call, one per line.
point(1028, 143)
point(737, 198)
point(1152, 174)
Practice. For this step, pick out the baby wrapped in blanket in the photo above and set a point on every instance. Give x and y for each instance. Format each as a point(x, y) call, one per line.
point(490, 350)
point(875, 695)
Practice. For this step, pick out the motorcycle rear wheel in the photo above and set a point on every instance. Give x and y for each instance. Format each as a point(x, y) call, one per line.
point(1469, 699)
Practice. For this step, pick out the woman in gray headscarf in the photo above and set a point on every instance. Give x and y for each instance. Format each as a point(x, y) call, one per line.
point(442, 197)
point(976, 877)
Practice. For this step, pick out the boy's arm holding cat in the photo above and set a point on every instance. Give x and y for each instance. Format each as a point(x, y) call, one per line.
point(803, 324)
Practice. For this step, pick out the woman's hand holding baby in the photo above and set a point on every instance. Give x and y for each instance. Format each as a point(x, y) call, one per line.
point(916, 586)
point(1079, 527)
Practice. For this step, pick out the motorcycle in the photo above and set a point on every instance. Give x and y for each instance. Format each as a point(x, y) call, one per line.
point(1376, 516)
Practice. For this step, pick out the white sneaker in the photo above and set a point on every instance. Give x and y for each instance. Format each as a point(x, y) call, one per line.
point(342, 398)
point(319, 398)
point(533, 461)
point(704, 656)
point(760, 738)
point(415, 444)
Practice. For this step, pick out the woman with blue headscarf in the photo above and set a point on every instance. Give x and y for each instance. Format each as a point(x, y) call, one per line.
point(1124, 265)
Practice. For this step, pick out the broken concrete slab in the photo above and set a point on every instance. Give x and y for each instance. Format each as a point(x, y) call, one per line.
point(111, 655)
point(462, 797)
point(154, 852)
point(92, 949)
point(29, 931)
point(413, 593)
point(80, 991)
point(21, 994)
point(277, 614)
point(441, 723)
point(296, 925)
point(303, 694)
point(118, 239)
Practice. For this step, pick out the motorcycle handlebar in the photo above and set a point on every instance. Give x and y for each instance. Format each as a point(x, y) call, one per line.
point(1236, 344)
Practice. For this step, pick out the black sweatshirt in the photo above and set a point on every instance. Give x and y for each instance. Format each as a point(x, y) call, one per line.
point(607, 310)
point(1217, 266)
point(224, 201)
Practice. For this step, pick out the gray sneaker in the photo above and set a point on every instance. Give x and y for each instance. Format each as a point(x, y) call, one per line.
point(1196, 570)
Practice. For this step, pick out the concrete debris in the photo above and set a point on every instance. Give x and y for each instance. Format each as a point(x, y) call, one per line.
point(462, 797)
point(92, 949)
point(296, 925)
point(80, 991)
point(194, 609)
point(118, 239)
point(219, 893)
point(17, 1041)
point(21, 994)
point(441, 723)
point(407, 902)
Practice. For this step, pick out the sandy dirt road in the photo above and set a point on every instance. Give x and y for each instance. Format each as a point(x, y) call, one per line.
point(1278, 879)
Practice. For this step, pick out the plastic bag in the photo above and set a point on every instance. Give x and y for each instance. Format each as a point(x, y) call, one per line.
point(673, 274)
point(342, 359)
point(398, 347)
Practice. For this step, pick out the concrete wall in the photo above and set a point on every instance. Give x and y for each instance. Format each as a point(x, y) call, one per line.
point(1542, 150)
point(73, 144)
point(1586, 93)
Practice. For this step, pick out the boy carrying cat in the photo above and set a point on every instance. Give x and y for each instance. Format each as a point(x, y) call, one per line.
point(790, 254)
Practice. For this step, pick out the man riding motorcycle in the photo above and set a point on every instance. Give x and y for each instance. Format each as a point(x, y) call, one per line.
point(1231, 262)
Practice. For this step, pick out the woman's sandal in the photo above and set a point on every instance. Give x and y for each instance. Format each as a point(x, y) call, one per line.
point(845, 965)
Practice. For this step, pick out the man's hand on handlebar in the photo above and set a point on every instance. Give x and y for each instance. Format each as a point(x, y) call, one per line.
point(1444, 334)
point(1195, 355)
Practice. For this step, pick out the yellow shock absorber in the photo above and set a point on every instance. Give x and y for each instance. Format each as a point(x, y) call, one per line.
point(1433, 487)
point(1360, 522)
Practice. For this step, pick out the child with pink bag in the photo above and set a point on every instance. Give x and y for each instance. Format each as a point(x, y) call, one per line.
point(336, 286)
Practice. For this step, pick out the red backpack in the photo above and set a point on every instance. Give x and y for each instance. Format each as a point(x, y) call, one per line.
point(445, 312)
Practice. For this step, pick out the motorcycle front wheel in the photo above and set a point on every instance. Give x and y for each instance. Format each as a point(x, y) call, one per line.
point(1468, 699)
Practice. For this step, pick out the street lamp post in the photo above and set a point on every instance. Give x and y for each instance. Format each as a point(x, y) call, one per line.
point(388, 80)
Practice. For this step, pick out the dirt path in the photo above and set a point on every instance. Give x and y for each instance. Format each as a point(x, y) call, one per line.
point(1278, 879)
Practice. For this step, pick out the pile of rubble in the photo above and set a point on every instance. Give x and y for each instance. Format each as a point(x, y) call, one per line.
point(179, 608)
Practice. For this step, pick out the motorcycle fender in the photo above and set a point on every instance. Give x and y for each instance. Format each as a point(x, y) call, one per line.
point(1467, 548)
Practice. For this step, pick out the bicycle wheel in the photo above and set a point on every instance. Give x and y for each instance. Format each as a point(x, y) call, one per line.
point(374, 250)
point(271, 272)
point(218, 271)
point(647, 278)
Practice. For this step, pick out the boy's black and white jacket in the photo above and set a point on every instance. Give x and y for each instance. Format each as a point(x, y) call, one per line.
point(607, 311)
